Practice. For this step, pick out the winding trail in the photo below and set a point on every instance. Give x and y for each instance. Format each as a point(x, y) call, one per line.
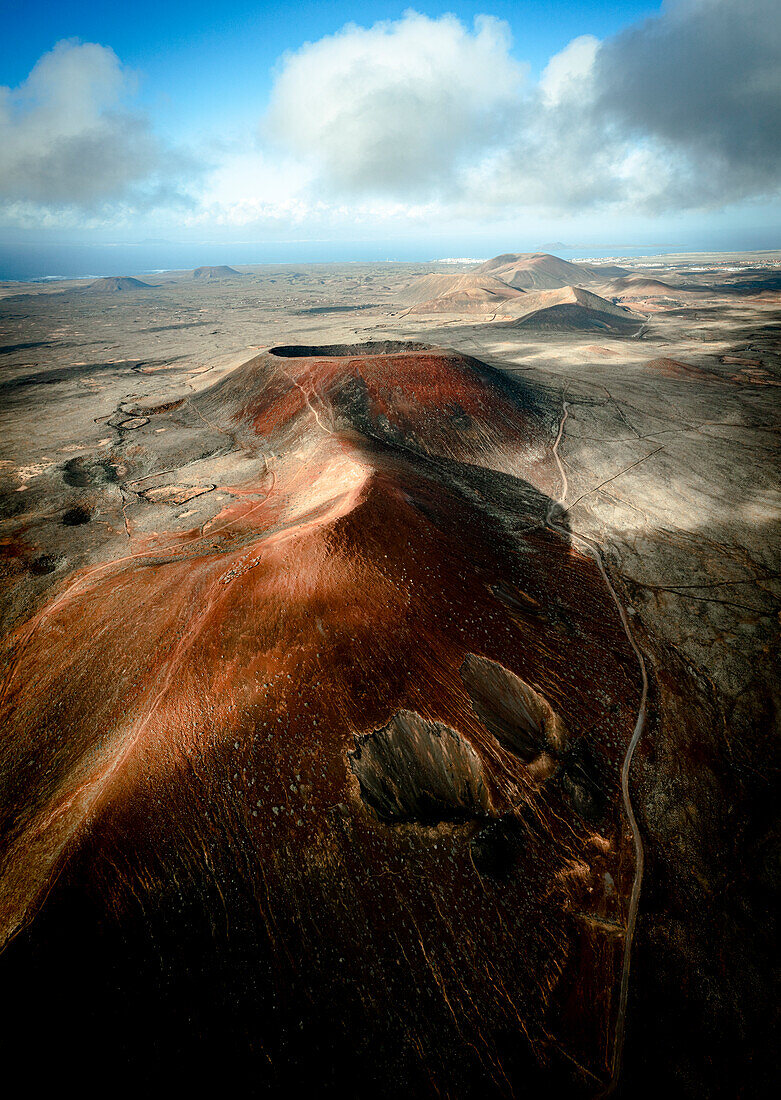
point(306, 397)
point(634, 899)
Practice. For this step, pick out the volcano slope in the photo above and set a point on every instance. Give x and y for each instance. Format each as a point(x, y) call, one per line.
point(571, 309)
point(542, 271)
point(458, 294)
point(115, 284)
point(220, 272)
point(315, 781)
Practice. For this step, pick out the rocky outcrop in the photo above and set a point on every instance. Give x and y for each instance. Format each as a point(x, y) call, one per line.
point(413, 769)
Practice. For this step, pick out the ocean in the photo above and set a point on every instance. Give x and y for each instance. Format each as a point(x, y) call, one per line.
point(27, 262)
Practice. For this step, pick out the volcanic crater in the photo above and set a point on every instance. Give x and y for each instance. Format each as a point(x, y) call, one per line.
point(365, 678)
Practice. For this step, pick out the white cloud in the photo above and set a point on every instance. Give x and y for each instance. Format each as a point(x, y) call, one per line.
point(249, 186)
point(569, 73)
point(396, 108)
point(681, 111)
point(424, 123)
point(68, 143)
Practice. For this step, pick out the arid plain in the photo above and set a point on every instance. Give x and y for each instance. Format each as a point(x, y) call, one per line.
point(388, 694)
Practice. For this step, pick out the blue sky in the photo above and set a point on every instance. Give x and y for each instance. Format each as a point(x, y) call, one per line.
point(198, 60)
point(264, 121)
point(173, 40)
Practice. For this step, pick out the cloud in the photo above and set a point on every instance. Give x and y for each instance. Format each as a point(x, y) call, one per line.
point(67, 141)
point(703, 82)
point(422, 122)
point(681, 111)
point(398, 107)
point(564, 75)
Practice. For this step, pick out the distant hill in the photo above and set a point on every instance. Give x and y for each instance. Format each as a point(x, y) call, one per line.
point(571, 309)
point(115, 284)
point(561, 309)
point(535, 271)
point(505, 260)
point(600, 272)
point(458, 294)
point(640, 286)
point(542, 271)
point(221, 272)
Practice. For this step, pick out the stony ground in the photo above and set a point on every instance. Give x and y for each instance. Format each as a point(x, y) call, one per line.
point(666, 458)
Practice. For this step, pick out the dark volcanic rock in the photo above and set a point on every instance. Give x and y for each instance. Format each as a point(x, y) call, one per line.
point(416, 770)
point(512, 710)
point(76, 516)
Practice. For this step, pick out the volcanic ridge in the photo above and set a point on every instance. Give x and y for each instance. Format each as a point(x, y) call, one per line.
point(367, 649)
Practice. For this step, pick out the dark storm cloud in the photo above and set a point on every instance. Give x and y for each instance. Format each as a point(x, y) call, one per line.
point(704, 81)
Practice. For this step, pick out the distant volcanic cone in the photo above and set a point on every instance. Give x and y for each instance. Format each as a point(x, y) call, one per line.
point(458, 294)
point(115, 284)
point(221, 272)
point(325, 779)
point(542, 271)
point(571, 309)
point(534, 271)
